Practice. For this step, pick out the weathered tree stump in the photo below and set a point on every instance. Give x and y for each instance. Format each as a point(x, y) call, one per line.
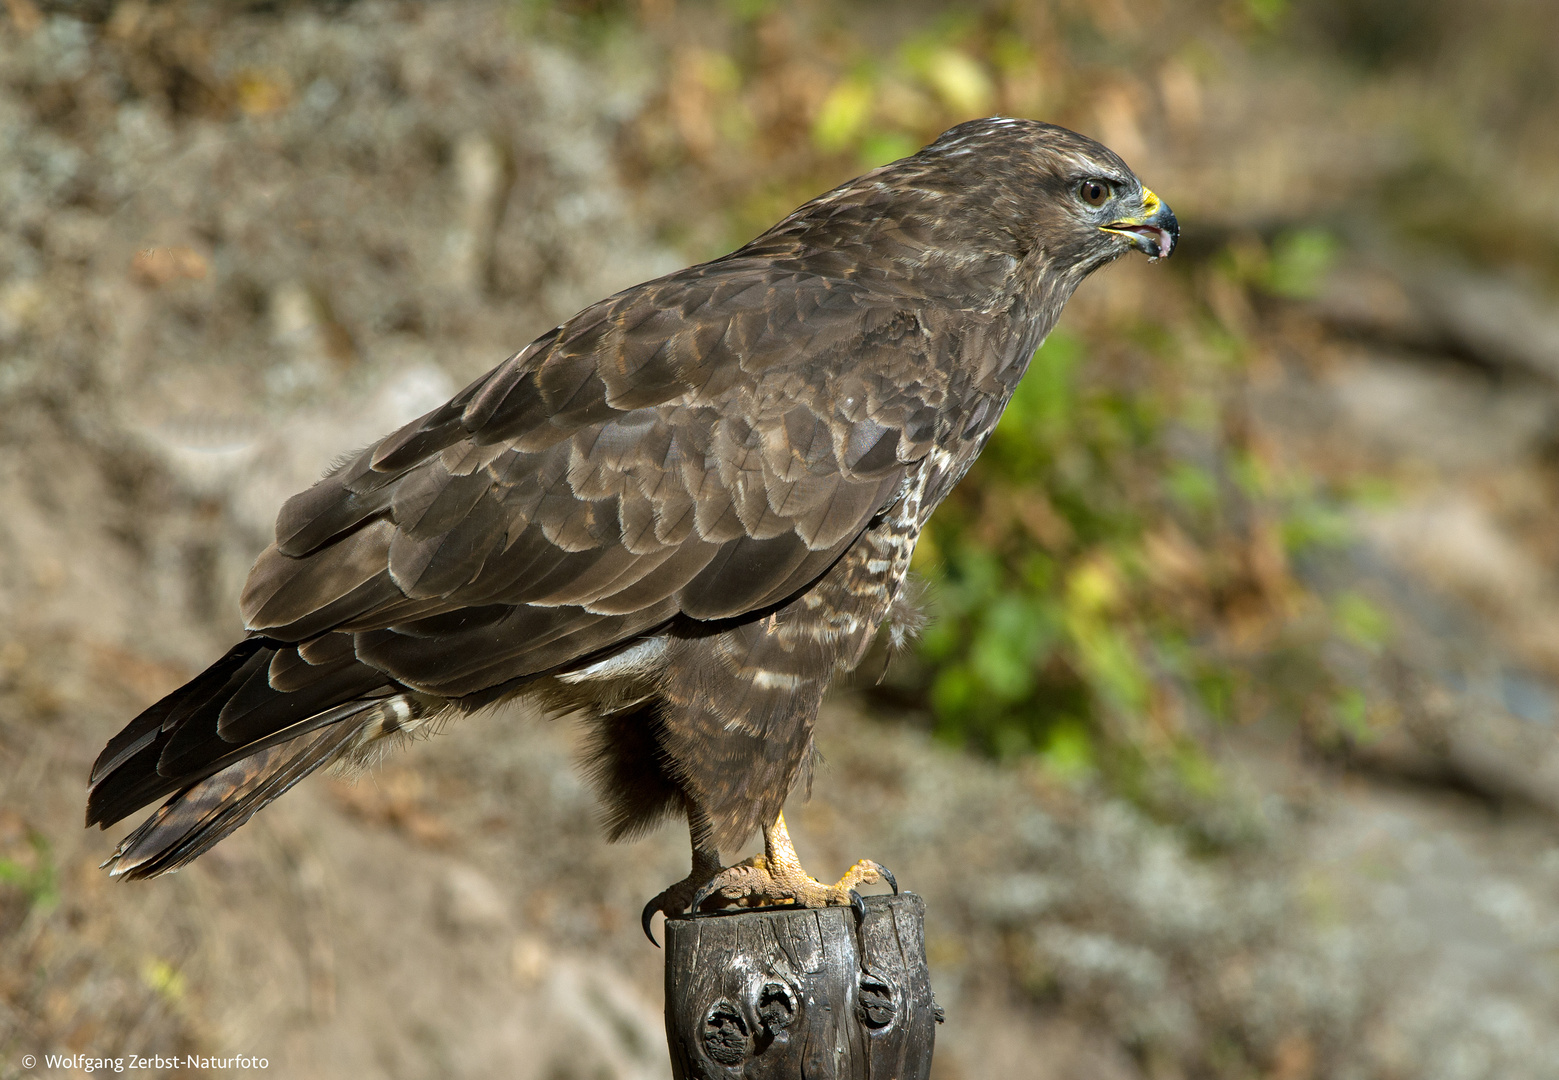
point(782, 994)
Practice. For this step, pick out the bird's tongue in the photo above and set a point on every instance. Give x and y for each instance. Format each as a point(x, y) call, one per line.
point(1162, 240)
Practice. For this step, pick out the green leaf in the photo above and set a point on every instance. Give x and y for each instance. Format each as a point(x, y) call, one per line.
point(1360, 621)
point(163, 978)
point(1267, 13)
point(1068, 750)
point(1192, 486)
point(954, 691)
point(882, 147)
point(37, 881)
point(1300, 261)
point(1351, 711)
point(960, 82)
point(843, 114)
point(1311, 523)
point(1196, 771)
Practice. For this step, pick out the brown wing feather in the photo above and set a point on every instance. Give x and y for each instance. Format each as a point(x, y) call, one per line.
point(704, 445)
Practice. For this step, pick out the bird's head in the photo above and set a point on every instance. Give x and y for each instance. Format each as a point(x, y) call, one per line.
point(992, 208)
point(1035, 191)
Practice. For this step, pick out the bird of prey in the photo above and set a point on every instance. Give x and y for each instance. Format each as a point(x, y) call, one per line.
point(680, 513)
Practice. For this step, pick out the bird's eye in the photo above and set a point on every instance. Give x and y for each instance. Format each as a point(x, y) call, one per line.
point(1095, 192)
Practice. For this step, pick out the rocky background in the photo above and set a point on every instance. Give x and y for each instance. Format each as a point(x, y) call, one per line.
point(237, 240)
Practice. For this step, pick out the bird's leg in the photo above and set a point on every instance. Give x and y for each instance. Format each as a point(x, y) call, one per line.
point(777, 877)
point(676, 899)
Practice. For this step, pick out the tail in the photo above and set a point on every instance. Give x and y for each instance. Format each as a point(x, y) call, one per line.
point(237, 736)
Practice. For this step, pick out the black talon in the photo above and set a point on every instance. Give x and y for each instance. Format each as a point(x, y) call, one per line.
point(887, 875)
point(708, 890)
point(859, 905)
point(644, 920)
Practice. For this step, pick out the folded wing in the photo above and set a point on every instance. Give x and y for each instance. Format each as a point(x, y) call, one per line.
point(701, 447)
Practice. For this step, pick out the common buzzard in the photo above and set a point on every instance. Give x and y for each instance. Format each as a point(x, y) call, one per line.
point(679, 513)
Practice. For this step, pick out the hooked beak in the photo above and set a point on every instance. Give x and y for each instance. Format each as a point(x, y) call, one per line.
point(1153, 232)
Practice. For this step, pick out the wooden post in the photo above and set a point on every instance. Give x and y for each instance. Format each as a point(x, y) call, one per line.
point(788, 993)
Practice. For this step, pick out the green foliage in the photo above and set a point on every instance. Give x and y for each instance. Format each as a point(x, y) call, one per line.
point(1267, 13)
point(1360, 621)
point(843, 115)
point(163, 979)
point(34, 876)
point(1027, 647)
point(1101, 600)
point(591, 26)
point(882, 147)
point(1300, 261)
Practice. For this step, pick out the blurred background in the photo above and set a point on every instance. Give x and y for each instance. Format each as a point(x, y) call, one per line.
point(1231, 749)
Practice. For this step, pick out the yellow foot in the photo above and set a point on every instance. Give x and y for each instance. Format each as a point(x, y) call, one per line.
point(753, 883)
point(772, 879)
point(776, 877)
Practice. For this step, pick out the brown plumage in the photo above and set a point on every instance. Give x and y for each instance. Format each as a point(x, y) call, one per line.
point(682, 511)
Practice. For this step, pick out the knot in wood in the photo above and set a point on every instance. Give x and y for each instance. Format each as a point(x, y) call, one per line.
point(776, 1009)
point(876, 1004)
point(726, 1038)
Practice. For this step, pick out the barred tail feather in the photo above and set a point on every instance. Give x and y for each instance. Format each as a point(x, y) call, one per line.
point(196, 818)
point(239, 735)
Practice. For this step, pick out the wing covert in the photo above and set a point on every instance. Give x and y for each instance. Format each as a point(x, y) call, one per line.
point(704, 445)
